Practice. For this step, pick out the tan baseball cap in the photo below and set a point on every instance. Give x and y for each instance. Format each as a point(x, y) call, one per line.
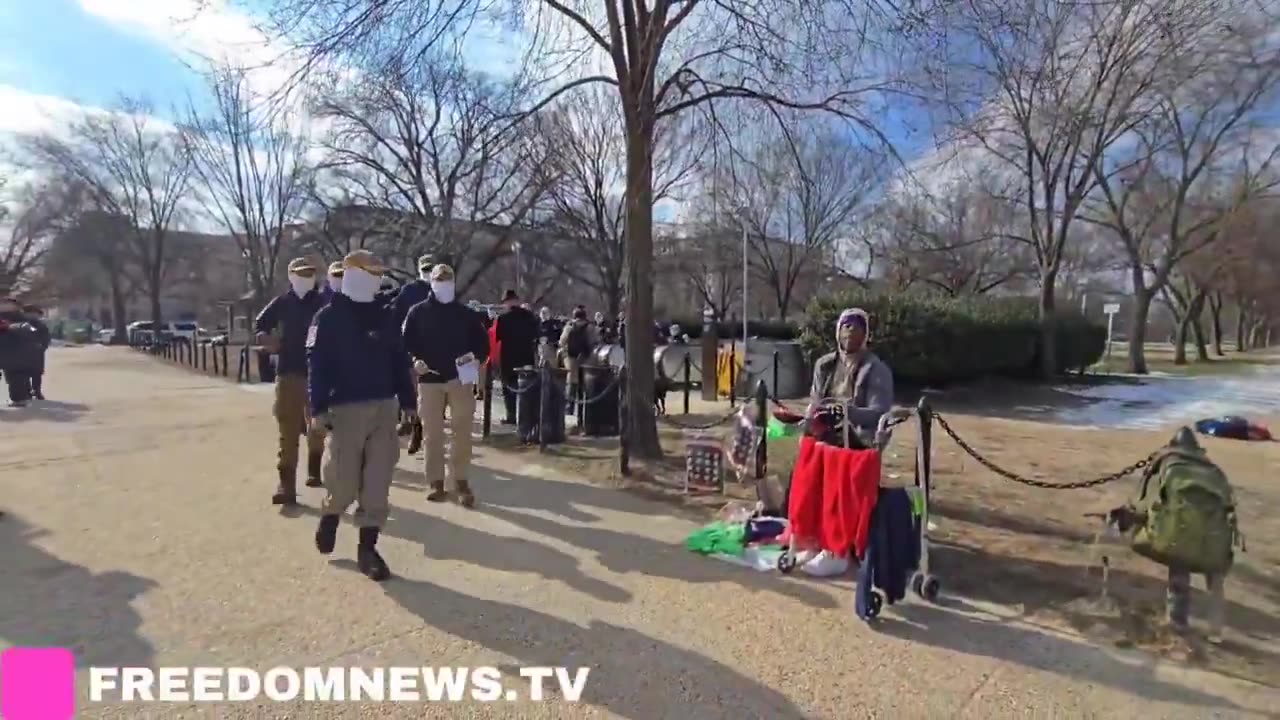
point(363, 260)
point(336, 268)
point(424, 262)
point(301, 266)
point(441, 273)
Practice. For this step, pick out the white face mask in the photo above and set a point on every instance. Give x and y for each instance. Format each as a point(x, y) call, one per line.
point(335, 283)
point(599, 318)
point(359, 285)
point(443, 290)
point(301, 285)
point(424, 275)
point(546, 316)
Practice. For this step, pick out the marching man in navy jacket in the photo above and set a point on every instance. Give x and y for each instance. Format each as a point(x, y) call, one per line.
point(359, 381)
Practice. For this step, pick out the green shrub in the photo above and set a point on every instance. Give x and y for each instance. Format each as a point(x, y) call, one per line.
point(928, 339)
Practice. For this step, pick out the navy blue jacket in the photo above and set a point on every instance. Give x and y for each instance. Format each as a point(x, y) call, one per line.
point(353, 355)
point(893, 551)
point(326, 295)
point(410, 294)
point(293, 315)
point(439, 333)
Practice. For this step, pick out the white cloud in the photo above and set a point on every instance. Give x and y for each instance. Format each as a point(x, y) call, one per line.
point(199, 32)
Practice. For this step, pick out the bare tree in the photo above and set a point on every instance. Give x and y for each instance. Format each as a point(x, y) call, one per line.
point(90, 258)
point(958, 240)
point(433, 142)
point(252, 170)
point(131, 166)
point(710, 259)
point(1044, 88)
point(796, 195)
point(1194, 161)
point(664, 57)
point(36, 214)
point(586, 183)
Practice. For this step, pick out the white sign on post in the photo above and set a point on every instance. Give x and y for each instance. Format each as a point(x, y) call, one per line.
point(1110, 309)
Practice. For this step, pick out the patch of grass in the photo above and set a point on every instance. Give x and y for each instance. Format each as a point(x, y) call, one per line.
point(1160, 360)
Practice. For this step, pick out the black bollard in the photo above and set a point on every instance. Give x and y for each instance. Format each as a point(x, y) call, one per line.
point(762, 422)
point(924, 469)
point(774, 389)
point(544, 403)
point(688, 380)
point(204, 358)
point(486, 425)
point(624, 449)
point(580, 390)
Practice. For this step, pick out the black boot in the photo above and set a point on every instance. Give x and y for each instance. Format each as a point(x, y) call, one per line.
point(327, 534)
point(367, 557)
point(415, 437)
point(313, 470)
point(437, 494)
point(287, 490)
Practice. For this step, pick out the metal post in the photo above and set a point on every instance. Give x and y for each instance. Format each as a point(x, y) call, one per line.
point(762, 422)
point(624, 449)
point(688, 380)
point(225, 359)
point(204, 357)
point(924, 475)
point(580, 395)
point(544, 403)
point(774, 389)
point(486, 424)
point(745, 311)
point(733, 372)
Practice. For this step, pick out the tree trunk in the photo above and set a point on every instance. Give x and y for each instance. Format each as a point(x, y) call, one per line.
point(642, 424)
point(1215, 319)
point(118, 321)
point(1197, 329)
point(1139, 313)
point(1048, 334)
point(1180, 340)
point(1242, 324)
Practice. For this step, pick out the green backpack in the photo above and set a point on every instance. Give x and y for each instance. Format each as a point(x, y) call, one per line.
point(1190, 513)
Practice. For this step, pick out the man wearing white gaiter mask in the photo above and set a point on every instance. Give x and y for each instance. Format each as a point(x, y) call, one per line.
point(412, 293)
point(335, 281)
point(281, 328)
point(359, 383)
point(448, 344)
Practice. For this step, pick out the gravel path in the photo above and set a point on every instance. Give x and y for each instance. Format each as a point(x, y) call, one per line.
point(138, 531)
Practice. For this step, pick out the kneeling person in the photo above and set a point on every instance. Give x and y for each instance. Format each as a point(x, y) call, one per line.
point(359, 381)
point(448, 343)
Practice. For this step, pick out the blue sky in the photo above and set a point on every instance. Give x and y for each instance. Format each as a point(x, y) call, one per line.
point(58, 48)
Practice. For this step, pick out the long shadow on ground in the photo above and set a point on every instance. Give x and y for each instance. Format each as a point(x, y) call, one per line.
point(47, 602)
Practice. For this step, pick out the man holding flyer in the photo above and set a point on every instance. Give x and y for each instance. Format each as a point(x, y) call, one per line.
point(448, 344)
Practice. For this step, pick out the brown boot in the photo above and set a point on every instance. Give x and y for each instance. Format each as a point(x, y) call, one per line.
point(438, 493)
point(287, 490)
point(313, 470)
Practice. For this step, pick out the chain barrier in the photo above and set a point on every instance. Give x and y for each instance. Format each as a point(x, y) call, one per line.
point(1009, 475)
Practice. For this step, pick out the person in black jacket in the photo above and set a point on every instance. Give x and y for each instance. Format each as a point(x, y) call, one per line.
point(518, 330)
point(359, 382)
point(36, 318)
point(282, 328)
point(448, 344)
point(411, 294)
point(20, 350)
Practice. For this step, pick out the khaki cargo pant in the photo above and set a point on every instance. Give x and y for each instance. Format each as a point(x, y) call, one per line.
point(293, 416)
point(433, 398)
point(360, 460)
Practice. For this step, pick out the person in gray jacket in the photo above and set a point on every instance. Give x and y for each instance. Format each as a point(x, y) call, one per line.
point(855, 375)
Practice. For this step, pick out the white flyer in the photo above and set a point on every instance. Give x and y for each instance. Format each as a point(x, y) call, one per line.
point(469, 373)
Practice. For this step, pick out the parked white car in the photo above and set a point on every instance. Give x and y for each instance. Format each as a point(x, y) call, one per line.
point(143, 330)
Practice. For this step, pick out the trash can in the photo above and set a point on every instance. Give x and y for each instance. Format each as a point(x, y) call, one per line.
point(529, 420)
point(600, 418)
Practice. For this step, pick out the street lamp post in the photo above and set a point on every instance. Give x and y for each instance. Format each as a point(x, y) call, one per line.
point(744, 297)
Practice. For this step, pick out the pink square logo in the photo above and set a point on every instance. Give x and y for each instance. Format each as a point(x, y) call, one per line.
point(37, 684)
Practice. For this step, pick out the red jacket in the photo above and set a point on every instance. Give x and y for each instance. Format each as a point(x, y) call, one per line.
point(495, 347)
point(833, 491)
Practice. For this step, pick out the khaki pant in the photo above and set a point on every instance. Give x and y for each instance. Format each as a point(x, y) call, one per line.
point(361, 458)
point(293, 415)
point(433, 398)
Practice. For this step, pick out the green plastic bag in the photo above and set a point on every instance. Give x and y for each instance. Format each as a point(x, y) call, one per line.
point(776, 429)
point(718, 537)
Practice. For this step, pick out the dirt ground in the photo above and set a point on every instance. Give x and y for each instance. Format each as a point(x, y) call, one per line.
point(1031, 548)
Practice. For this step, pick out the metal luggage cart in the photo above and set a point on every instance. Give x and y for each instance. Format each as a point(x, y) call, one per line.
point(923, 582)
